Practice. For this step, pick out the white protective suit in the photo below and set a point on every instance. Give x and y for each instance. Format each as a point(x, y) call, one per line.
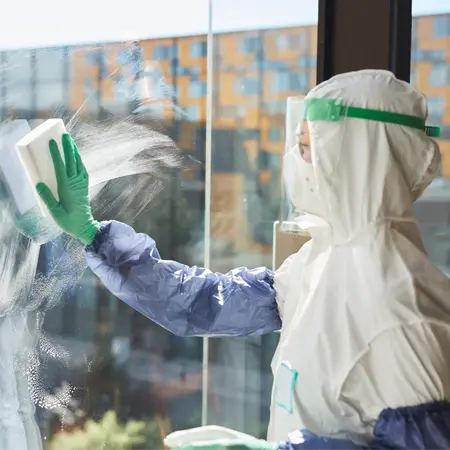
point(366, 315)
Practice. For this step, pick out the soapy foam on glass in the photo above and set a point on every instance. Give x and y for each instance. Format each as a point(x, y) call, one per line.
point(27, 292)
point(111, 149)
point(11, 165)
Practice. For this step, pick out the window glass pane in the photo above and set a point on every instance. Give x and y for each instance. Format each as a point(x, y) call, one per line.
point(81, 358)
point(16, 77)
point(51, 77)
point(439, 74)
point(197, 89)
point(50, 64)
point(259, 60)
point(430, 67)
point(441, 26)
point(198, 49)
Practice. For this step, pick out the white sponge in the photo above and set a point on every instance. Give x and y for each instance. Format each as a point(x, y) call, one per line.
point(33, 151)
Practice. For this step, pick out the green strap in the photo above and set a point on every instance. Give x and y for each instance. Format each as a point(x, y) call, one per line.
point(333, 110)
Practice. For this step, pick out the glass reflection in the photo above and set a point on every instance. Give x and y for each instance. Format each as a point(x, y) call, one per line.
point(255, 70)
point(430, 72)
point(85, 369)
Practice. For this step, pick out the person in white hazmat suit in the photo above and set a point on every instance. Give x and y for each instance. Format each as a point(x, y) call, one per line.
point(363, 359)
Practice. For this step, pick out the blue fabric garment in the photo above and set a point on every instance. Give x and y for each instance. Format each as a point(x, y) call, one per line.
point(188, 301)
point(422, 427)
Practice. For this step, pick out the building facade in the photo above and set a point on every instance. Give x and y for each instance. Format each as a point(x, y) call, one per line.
point(254, 72)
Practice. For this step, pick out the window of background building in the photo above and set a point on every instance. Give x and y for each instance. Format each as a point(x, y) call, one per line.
point(199, 49)
point(430, 72)
point(49, 64)
point(193, 72)
point(97, 58)
point(51, 69)
point(91, 57)
point(164, 52)
point(275, 134)
point(283, 43)
point(309, 62)
point(292, 40)
point(250, 44)
point(16, 72)
point(436, 109)
point(441, 26)
point(131, 57)
point(197, 89)
point(192, 112)
point(247, 86)
point(427, 55)
point(439, 74)
point(88, 86)
point(290, 81)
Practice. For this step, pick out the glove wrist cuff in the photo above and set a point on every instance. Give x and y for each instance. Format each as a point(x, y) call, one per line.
point(89, 233)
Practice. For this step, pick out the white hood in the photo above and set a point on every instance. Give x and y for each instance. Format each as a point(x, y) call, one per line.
point(367, 170)
point(366, 316)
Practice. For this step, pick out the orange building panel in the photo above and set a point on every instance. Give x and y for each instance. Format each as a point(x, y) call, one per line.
point(185, 57)
point(236, 63)
point(312, 31)
point(230, 49)
point(445, 152)
point(227, 218)
point(425, 35)
point(80, 73)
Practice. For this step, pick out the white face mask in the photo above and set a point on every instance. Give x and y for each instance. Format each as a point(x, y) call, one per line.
point(300, 183)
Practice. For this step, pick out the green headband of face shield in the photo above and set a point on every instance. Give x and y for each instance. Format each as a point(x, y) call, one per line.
point(331, 110)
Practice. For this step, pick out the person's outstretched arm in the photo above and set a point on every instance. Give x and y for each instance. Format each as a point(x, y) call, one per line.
point(188, 301)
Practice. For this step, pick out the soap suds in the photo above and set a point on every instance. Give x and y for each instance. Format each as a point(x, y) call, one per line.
point(128, 163)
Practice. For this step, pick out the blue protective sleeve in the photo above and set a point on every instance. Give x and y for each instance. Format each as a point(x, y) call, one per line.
point(188, 301)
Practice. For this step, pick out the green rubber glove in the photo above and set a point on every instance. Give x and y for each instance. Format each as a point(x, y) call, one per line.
point(73, 211)
point(230, 444)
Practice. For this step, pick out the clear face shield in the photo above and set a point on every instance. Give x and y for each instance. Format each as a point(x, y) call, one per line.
point(302, 203)
point(300, 196)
